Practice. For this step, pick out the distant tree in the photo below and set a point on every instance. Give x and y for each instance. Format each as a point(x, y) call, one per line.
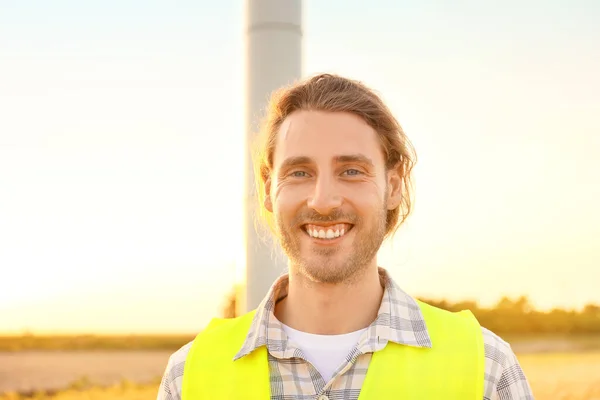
point(592, 310)
point(507, 316)
point(466, 305)
point(523, 305)
point(504, 304)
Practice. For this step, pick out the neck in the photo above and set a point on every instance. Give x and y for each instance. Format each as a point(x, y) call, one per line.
point(331, 309)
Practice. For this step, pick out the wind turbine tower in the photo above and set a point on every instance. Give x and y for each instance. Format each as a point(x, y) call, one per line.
point(273, 58)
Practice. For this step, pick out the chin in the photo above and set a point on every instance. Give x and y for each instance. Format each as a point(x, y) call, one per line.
point(325, 270)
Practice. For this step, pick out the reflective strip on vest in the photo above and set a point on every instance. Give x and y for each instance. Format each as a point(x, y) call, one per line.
point(452, 369)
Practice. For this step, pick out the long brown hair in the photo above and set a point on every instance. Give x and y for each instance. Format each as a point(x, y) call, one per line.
point(333, 93)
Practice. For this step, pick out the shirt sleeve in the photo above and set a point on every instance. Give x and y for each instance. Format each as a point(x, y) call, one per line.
point(512, 383)
point(170, 385)
point(504, 377)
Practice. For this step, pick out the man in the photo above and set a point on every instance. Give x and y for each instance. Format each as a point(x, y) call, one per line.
point(333, 173)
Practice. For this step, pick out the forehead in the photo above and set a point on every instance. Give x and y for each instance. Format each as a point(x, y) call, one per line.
point(323, 136)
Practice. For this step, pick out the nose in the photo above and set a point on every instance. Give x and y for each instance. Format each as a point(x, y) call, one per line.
point(325, 197)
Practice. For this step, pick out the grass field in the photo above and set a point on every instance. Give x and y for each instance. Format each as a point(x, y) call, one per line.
point(553, 376)
point(80, 391)
point(563, 376)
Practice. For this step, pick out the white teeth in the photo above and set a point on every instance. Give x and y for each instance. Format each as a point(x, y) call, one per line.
point(329, 233)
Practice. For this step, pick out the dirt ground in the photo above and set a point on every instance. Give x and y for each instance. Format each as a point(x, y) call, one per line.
point(27, 371)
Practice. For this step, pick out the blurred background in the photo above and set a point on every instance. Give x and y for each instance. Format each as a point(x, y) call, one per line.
point(122, 145)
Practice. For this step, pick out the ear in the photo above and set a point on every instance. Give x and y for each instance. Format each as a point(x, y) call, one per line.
point(267, 203)
point(394, 182)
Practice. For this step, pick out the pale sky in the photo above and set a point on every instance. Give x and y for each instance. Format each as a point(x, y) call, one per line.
point(120, 152)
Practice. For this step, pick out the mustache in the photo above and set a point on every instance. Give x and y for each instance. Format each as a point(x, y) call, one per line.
point(311, 216)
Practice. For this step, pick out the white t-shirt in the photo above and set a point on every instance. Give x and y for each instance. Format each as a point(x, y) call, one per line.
point(324, 352)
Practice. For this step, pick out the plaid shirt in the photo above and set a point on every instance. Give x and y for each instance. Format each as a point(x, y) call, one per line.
point(399, 320)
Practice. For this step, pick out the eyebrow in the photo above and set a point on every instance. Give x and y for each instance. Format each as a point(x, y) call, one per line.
point(346, 158)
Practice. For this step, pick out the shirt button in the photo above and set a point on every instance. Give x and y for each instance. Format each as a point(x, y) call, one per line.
point(323, 397)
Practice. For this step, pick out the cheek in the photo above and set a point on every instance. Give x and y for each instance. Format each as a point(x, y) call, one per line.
point(369, 208)
point(368, 195)
point(287, 197)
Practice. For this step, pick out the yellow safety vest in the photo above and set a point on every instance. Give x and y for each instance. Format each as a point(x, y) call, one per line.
point(452, 369)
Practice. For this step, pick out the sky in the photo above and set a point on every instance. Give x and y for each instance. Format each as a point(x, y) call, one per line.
point(121, 129)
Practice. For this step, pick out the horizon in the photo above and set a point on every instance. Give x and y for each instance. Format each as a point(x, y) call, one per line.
point(69, 333)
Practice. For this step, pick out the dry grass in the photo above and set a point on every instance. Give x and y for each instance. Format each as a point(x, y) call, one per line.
point(563, 376)
point(126, 390)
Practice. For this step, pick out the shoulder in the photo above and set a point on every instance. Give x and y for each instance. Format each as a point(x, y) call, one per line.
point(219, 332)
point(504, 377)
point(497, 350)
point(170, 386)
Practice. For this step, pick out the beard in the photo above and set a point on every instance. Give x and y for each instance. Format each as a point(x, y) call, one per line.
point(334, 264)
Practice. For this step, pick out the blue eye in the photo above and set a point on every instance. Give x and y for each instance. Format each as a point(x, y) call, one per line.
point(298, 174)
point(352, 172)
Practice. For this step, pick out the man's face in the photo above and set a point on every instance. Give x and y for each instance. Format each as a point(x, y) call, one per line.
point(329, 192)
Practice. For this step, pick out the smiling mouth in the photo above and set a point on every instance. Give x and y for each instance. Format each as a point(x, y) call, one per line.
point(328, 232)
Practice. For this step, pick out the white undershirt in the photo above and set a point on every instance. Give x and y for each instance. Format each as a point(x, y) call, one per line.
point(324, 352)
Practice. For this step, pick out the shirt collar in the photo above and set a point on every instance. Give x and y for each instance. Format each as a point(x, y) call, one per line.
point(399, 320)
